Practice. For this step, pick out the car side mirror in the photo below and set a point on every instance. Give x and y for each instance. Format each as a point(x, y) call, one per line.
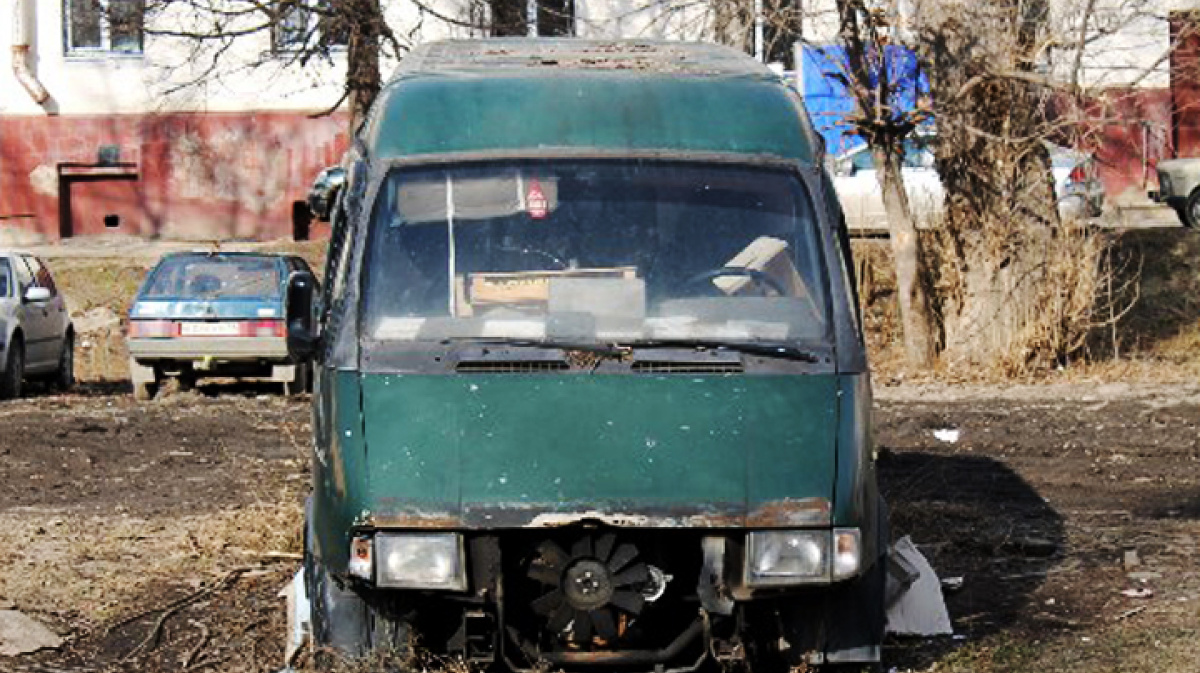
point(302, 338)
point(323, 193)
point(36, 294)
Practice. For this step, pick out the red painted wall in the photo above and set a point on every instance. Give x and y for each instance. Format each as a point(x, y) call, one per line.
point(210, 175)
point(1130, 133)
point(1185, 81)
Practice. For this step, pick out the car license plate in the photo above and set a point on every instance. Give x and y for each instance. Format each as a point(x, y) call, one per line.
point(208, 329)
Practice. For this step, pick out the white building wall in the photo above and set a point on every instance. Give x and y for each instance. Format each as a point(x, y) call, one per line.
point(163, 77)
point(651, 19)
point(251, 77)
point(1126, 44)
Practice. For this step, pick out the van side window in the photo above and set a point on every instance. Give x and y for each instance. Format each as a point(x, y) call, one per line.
point(5, 278)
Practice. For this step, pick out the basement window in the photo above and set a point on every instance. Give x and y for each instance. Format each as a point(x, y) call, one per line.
point(103, 26)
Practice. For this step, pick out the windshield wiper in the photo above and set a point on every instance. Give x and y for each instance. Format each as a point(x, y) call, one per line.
point(605, 349)
point(767, 349)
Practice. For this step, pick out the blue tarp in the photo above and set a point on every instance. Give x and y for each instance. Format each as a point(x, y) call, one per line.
point(829, 103)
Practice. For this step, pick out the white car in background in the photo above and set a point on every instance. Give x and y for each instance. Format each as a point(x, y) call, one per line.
point(1080, 192)
point(36, 336)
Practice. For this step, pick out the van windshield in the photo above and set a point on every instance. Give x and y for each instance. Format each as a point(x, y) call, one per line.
point(594, 251)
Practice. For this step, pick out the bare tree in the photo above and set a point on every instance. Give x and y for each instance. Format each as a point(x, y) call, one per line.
point(873, 69)
point(300, 33)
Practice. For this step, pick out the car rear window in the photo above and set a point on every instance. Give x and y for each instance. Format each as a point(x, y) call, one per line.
point(215, 277)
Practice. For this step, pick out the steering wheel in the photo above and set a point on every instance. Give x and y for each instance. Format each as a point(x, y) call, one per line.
point(757, 276)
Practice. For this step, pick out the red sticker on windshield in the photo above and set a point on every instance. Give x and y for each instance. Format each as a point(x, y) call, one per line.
point(535, 201)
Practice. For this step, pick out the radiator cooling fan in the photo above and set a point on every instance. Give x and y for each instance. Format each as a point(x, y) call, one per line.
point(593, 590)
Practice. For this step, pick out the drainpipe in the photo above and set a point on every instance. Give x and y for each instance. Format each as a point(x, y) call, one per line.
point(20, 54)
point(758, 32)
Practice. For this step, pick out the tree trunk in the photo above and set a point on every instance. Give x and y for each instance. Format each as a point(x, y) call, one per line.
point(920, 345)
point(363, 80)
point(999, 197)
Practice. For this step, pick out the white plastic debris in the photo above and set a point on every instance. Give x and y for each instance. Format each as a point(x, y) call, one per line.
point(21, 634)
point(1140, 592)
point(915, 606)
point(948, 435)
point(299, 614)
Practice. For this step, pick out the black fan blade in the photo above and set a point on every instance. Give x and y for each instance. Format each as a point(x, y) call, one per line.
point(629, 601)
point(553, 555)
point(582, 548)
point(547, 604)
point(602, 619)
point(624, 554)
point(583, 626)
point(545, 574)
point(561, 617)
point(631, 575)
point(604, 546)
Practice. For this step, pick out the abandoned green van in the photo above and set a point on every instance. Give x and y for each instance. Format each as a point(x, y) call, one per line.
point(591, 389)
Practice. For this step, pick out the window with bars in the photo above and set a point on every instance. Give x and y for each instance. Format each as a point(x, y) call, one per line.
point(92, 26)
point(311, 24)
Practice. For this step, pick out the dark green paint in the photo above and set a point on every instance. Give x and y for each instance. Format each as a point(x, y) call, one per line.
point(340, 473)
point(743, 114)
point(447, 444)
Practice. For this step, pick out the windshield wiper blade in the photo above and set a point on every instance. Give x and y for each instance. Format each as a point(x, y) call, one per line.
point(766, 349)
point(606, 349)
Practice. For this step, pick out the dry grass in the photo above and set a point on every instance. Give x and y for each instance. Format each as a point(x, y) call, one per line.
point(93, 565)
point(386, 661)
point(1116, 648)
point(1154, 339)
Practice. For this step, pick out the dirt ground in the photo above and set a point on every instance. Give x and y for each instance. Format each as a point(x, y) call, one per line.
point(156, 536)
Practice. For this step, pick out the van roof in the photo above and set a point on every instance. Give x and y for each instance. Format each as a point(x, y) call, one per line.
point(527, 56)
point(529, 96)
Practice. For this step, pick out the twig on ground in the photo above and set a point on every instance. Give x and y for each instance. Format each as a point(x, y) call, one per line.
point(195, 652)
point(170, 609)
point(1129, 613)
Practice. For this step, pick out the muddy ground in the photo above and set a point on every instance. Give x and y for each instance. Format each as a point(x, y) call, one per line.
point(156, 536)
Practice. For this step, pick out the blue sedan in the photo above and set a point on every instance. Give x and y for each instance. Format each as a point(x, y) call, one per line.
point(214, 315)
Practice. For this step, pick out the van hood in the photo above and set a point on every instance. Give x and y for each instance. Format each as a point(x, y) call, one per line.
point(521, 450)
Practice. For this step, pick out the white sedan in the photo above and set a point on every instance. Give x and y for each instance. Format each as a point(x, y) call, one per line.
point(1080, 192)
point(36, 337)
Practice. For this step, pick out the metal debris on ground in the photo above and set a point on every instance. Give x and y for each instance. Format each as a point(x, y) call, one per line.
point(915, 606)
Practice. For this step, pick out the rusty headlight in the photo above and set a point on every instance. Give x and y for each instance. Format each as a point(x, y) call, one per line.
point(786, 557)
point(420, 561)
point(790, 557)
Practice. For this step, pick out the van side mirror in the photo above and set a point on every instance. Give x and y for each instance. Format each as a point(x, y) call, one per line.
point(323, 193)
point(36, 294)
point(302, 338)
